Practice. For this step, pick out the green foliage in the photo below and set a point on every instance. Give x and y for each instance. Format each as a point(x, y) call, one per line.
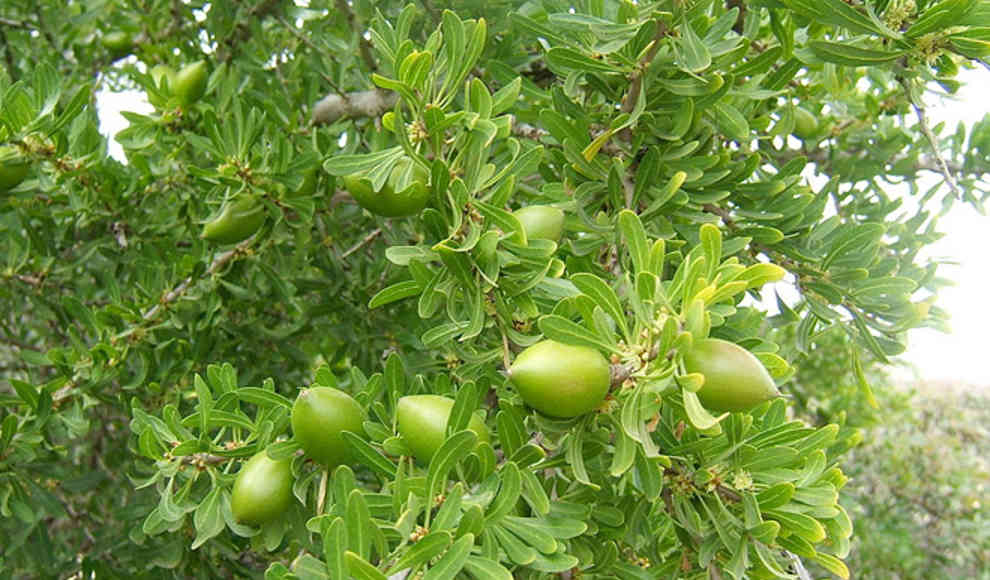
point(143, 366)
point(919, 485)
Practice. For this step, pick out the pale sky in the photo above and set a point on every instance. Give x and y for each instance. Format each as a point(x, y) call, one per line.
point(935, 356)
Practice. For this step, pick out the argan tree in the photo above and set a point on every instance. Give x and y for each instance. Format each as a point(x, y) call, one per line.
point(458, 289)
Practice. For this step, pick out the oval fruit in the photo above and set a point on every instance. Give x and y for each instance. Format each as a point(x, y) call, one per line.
point(190, 82)
point(422, 421)
point(13, 168)
point(319, 416)
point(561, 380)
point(541, 222)
point(805, 124)
point(238, 220)
point(118, 42)
point(735, 380)
point(405, 193)
point(262, 490)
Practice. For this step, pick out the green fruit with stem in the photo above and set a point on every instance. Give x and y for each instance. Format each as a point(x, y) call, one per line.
point(561, 380)
point(262, 491)
point(319, 417)
point(422, 422)
point(541, 222)
point(735, 380)
point(237, 221)
point(406, 192)
point(14, 168)
point(190, 82)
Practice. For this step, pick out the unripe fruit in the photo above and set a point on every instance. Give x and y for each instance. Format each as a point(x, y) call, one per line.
point(118, 42)
point(405, 193)
point(190, 83)
point(561, 380)
point(319, 416)
point(262, 491)
point(238, 220)
point(422, 421)
point(13, 168)
point(735, 380)
point(541, 222)
point(805, 124)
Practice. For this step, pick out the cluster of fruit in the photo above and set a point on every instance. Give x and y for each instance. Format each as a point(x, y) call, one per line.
point(558, 380)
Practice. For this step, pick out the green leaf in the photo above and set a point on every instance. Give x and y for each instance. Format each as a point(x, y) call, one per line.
point(635, 237)
point(360, 569)
point(558, 328)
point(207, 519)
point(850, 55)
point(572, 59)
point(394, 293)
point(604, 296)
point(510, 429)
point(699, 417)
point(453, 450)
point(452, 561)
point(369, 456)
point(334, 546)
point(484, 569)
point(803, 525)
point(694, 55)
point(341, 165)
point(508, 493)
point(263, 397)
point(424, 550)
point(309, 568)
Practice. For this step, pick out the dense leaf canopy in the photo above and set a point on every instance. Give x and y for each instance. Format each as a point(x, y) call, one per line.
point(160, 313)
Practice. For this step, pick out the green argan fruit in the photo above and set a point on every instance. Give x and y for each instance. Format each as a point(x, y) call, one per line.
point(118, 43)
point(735, 380)
point(319, 416)
point(405, 193)
point(422, 421)
point(13, 168)
point(262, 491)
point(541, 222)
point(190, 83)
point(237, 221)
point(805, 124)
point(561, 380)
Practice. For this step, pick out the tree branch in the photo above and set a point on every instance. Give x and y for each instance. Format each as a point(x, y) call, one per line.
point(943, 167)
point(177, 292)
point(367, 240)
point(636, 85)
point(358, 104)
point(363, 45)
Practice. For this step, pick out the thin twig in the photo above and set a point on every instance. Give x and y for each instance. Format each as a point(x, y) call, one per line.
point(636, 85)
point(799, 568)
point(933, 142)
point(177, 292)
point(367, 240)
point(321, 499)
